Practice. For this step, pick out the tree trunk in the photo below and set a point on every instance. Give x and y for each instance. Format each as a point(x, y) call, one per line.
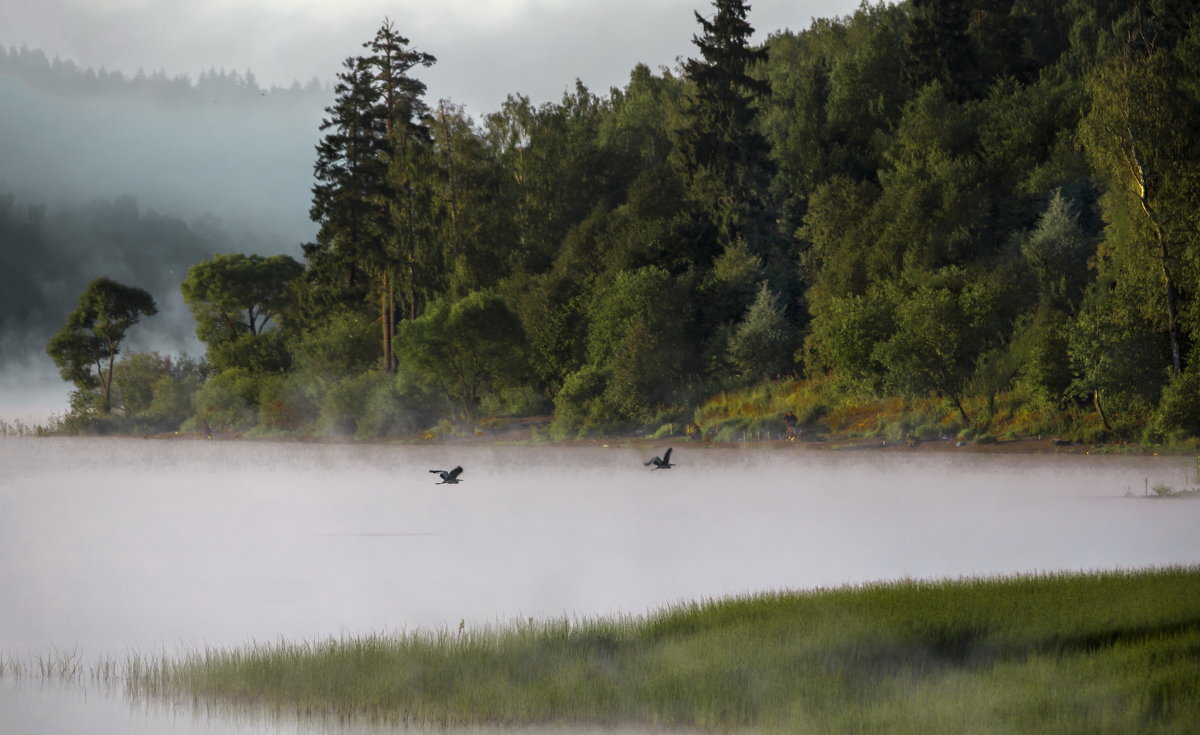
point(1100, 409)
point(1146, 191)
point(112, 357)
point(961, 411)
point(386, 323)
point(1172, 305)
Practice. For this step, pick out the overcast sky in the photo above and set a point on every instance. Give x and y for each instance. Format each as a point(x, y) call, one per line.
point(486, 49)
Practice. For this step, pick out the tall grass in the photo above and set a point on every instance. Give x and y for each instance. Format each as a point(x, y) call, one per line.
point(1114, 652)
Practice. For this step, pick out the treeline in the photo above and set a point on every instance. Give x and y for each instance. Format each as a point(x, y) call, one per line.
point(49, 253)
point(984, 203)
point(64, 76)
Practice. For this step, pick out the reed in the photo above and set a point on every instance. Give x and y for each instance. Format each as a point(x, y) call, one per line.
point(1095, 653)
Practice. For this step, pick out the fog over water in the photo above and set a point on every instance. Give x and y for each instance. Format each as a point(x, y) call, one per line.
point(116, 545)
point(122, 184)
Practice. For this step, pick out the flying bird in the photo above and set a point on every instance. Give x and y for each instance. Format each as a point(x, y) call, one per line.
point(449, 477)
point(663, 462)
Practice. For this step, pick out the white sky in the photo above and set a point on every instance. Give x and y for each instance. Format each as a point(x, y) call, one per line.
point(486, 49)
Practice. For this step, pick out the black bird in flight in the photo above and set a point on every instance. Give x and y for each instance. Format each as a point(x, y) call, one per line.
point(663, 462)
point(449, 477)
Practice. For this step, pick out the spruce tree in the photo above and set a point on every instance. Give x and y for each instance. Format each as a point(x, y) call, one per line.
point(349, 176)
point(725, 157)
point(939, 48)
point(368, 170)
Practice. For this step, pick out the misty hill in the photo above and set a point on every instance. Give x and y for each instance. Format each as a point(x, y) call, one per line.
point(49, 253)
point(65, 77)
point(139, 177)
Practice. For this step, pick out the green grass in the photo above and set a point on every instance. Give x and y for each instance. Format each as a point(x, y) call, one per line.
point(1114, 652)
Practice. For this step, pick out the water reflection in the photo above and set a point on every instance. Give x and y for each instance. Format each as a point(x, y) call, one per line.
point(120, 546)
point(77, 709)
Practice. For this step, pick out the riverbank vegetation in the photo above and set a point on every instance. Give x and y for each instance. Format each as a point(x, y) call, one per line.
point(1110, 652)
point(926, 218)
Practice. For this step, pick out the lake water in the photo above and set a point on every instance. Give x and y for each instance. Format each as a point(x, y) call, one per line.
point(112, 546)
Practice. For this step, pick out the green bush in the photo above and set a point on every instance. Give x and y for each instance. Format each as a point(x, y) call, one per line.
point(283, 405)
point(580, 404)
point(256, 353)
point(342, 407)
point(1179, 407)
point(228, 401)
point(343, 346)
point(391, 409)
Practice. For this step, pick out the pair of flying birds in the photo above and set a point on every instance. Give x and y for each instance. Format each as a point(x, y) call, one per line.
point(450, 477)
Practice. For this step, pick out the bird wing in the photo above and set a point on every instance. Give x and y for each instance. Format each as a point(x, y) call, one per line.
point(667, 456)
point(454, 473)
point(656, 460)
point(437, 472)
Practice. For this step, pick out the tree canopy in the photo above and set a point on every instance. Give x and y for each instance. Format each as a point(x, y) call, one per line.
point(86, 347)
point(934, 201)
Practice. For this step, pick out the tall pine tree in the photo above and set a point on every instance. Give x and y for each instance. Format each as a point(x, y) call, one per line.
point(723, 154)
point(408, 185)
point(368, 171)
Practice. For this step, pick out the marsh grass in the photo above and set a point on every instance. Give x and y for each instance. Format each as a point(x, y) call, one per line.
point(1090, 653)
point(56, 665)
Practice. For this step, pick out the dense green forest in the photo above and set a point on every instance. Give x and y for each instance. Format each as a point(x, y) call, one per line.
point(973, 217)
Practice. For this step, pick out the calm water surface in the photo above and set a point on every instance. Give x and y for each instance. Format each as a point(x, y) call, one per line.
point(111, 546)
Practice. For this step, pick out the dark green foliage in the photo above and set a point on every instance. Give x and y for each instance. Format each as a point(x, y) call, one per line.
point(1044, 351)
point(987, 202)
point(154, 392)
point(941, 332)
point(1112, 348)
point(939, 49)
point(343, 345)
point(1058, 251)
point(283, 405)
point(86, 347)
point(238, 301)
point(374, 198)
point(1179, 409)
point(258, 353)
point(462, 351)
point(233, 295)
point(49, 254)
point(721, 149)
point(636, 358)
point(229, 400)
point(761, 346)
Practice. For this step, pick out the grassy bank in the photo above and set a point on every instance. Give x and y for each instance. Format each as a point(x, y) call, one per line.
point(828, 414)
point(1113, 652)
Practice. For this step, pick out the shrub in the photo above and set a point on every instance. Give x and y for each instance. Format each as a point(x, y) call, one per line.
point(1179, 407)
point(391, 409)
point(580, 402)
point(228, 401)
point(283, 404)
point(343, 405)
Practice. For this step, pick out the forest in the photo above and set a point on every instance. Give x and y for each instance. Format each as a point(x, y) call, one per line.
point(925, 219)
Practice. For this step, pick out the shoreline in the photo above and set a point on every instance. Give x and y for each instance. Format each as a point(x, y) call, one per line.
point(521, 437)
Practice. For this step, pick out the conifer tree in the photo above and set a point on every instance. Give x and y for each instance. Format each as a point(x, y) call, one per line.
point(939, 48)
point(349, 175)
point(368, 171)
point(407, 189)
point(722, 152)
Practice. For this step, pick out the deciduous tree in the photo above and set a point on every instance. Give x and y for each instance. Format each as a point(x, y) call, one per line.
point(86, 347)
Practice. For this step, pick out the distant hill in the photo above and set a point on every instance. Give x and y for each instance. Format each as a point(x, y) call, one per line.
point(138, 177)
point(65, 77)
